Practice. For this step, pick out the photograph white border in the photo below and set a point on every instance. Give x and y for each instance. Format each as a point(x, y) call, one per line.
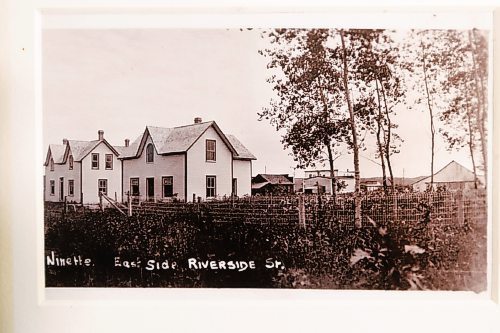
point(34, 308)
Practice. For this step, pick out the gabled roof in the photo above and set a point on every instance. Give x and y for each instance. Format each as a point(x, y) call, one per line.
point(78, 149)
point(273, 179)
point(57, 154)
point(131, 150)
point(180, 139)
point(120, 149)
point(451, 172)
point(241, 150)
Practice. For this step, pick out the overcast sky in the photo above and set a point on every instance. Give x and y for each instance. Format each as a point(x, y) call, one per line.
point(122, 80)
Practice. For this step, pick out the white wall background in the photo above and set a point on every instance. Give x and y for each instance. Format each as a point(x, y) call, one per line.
point(242, 170)
point(62, 170)
point(91, 176)
point(199, 168)
point(169, 165)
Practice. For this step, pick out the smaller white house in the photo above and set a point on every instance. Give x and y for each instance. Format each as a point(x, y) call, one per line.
point(319, 181)
point(78, 170)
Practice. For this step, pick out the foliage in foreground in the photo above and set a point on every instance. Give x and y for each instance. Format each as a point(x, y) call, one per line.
point(396, 256)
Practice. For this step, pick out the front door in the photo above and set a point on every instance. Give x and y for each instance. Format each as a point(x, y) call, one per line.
point(61, 189)
point(150, 188)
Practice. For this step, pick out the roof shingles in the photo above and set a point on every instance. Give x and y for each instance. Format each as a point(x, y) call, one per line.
point(180, 139)
point(57, 152)
point(166, 140)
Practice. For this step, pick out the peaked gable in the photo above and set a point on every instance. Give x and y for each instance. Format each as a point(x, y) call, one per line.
point(56, 152)
point(272, 179)
point(452, 172)
point(174, 140)
point(80, 149)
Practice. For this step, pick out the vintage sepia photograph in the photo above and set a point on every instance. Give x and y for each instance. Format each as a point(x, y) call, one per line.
point(319, 158)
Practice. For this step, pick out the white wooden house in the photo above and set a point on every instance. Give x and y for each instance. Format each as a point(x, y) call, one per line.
point(79, 170)
point(186, 162)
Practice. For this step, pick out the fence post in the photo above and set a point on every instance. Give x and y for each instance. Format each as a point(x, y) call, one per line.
point(460, 207)
point(302, 212)
point(394, 206)
point(129, 204)
point(65, 209)
point(194, 197)
point(100, 202)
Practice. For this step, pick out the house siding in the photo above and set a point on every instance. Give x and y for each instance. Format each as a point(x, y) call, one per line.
point(90, 176)
point(242, 170)
point(162, 166)
point(198, 168)
point(62, 170)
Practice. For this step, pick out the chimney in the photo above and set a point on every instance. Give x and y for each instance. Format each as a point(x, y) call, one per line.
point(101, 135)
point(197, 120)
point(127, 142)
point(65, 141)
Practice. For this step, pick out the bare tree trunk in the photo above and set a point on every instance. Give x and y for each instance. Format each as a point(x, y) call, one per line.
point(433, 131)
point(471, 149)
point(471, 143)
point(379, 143)
point(332, 171)
point(352, 123)
point(480, 109)
point(328, 145)
point(481, 79)
point(388, 140)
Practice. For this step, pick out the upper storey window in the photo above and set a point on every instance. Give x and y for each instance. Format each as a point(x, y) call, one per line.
point(210, 150)
point(149, 153)
point(95, 161)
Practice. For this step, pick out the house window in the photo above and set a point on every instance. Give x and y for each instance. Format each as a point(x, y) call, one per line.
point(210, 150)
point(51, 164)
point(168, 186)
point(150, 153)
point(109, 161)
point(71, 187)
point(95, 161)
point(103, 186)
point(70, 162)
point(52, 187)
point(134, 186)
point(211, 186)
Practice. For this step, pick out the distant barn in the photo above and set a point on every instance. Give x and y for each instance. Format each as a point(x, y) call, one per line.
point(265, 184)
point(453, 176)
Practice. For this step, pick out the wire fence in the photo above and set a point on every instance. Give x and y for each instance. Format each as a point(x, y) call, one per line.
point(444, 207)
